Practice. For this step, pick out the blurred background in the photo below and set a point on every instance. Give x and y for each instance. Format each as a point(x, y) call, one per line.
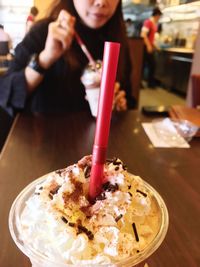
point(176, 59)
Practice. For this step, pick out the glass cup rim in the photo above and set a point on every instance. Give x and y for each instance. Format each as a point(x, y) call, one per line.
point(136, 259)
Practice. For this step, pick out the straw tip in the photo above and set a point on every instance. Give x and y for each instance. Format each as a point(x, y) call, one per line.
point(112, 44)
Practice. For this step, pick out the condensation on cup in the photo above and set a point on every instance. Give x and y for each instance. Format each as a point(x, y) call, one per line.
point(91, 79)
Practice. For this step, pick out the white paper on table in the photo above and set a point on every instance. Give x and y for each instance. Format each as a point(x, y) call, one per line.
point(157, 141)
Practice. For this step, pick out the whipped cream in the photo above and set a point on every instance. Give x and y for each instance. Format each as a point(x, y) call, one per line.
point(60, 222)
point(91, 76)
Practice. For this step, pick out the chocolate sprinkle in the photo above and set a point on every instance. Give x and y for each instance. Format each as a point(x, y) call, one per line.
point(130, 194)
point(50, 196)
point(118, 217)
point(83, 229)
point(106, 185)
point(135, 232)
point(71, 224)
point(110, 187)
point(117, 162)
point(117, 168)
point(64, 219)
point(142, 193)
point(129, 187)
point(79, 231)
point(124, 167)
point(102, 196)
point(90, 235)
point(37, 194)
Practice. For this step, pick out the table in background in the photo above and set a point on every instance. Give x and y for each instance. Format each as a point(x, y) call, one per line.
point(5, 61)
point(39, 144)
point(173, 66)
point(3, 70)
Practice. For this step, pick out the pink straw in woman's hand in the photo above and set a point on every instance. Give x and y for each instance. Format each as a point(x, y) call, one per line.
point(110, 62)
point(84, 49)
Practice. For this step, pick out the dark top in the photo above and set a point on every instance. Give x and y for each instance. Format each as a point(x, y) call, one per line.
point(61, 89)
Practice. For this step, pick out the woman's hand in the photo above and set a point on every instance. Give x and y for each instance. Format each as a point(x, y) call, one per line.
point(119, 102)
point(150, 49)
point(59, 38)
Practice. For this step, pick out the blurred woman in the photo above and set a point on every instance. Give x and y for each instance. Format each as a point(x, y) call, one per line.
point(31, 18)
point(45, 75)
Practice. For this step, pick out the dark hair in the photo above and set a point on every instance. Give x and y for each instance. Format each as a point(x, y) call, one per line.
point(114, 30)
point(115, 26)
point(156, 12)
point(1, 26)
point(34, 11)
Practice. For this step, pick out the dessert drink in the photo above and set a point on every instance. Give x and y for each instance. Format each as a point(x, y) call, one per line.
point(91, 79)
point(54, 224)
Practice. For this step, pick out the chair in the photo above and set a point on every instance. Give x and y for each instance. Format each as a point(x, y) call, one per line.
point(5, 125)
point(4, 56)
point(4, 48)
point(196, 90)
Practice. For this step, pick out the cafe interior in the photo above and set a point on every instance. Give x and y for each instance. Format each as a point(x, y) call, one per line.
point(157, 139)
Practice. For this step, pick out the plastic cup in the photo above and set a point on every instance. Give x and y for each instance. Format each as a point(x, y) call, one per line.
point(39, 260)
point(91, 79)
point(174, 131)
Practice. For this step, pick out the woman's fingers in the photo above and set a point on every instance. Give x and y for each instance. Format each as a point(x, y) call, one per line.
point(119, 102)
point(59, 38)
point(61, 31)
point(120, 95)
point(121, 105)
point(62, 35)
point(65, 19)
point(117, 86)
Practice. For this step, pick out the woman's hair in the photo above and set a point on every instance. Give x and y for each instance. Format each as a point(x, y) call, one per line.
point(156, 12)
point(114, 28)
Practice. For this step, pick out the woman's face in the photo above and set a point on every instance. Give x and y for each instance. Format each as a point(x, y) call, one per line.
point(95, 13)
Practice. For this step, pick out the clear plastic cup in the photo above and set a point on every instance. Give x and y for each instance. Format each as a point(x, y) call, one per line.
point(39, 260)
point(185, 128)
point(174, 131)
point(91, 79)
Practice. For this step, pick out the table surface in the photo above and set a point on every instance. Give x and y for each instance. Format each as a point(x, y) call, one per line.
point(39, 144)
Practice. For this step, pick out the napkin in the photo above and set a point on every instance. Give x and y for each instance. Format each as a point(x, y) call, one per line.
point(162, 133)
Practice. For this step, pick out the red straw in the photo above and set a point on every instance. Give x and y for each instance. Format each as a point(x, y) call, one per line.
point(110, 62)
point(84, 49)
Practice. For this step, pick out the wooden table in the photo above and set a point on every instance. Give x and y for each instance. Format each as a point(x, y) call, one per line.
point(40, 144)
